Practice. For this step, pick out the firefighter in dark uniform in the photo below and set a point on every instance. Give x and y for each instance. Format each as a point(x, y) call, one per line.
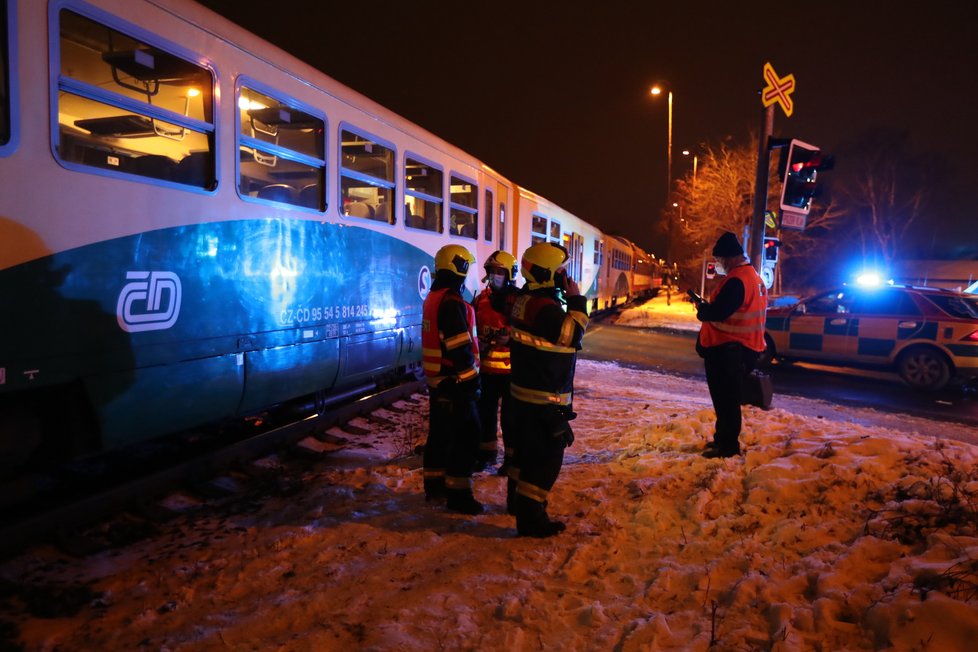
point(544, 342)
point(451, 365)
point(730, 340)
point(492, 309)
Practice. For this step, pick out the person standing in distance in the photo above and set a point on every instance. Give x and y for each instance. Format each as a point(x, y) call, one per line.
point(544, 343)
point(492, 309)
point(450, 352)
point(730, 339)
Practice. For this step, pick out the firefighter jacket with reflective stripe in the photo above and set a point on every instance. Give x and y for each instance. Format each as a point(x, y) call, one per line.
point(448, 343)
point(746, 324)
point(544, 343)
point(493, 329)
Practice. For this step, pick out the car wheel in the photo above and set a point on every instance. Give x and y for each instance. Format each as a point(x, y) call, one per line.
point(924, 368)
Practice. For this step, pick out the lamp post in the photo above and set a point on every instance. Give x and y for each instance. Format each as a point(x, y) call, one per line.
point(686, 152)
point(657, 90)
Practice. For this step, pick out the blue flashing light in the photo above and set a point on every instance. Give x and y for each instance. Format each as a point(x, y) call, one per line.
point(869, 279)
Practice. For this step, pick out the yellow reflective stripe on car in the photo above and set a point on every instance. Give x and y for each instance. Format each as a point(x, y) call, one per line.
point(539, 397)
point(539, 343)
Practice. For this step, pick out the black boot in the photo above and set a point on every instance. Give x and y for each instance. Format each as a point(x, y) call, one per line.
point(511, 496)
point(434, 489)
point(463, 502)
point(532, 519)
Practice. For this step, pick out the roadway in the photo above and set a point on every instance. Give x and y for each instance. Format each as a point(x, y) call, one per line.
point(673, 352)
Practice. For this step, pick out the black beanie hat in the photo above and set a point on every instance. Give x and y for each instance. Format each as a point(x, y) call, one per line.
point(727, 246)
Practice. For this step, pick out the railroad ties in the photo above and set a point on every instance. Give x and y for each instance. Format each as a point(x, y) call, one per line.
point(233, 477)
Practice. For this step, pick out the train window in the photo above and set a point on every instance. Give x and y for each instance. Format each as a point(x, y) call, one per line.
point(488, 215)
point(280, 151)
point(130, 106)
point(597, 251)
point(555, 231)
point(423, 195)
point(464, 207)
point(538, 229)
point(5, 83)
point(366, 177)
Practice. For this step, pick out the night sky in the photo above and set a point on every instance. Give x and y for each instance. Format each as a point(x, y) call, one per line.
point(554, 95)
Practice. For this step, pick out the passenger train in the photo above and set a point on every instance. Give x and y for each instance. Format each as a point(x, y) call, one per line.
point(195, 225)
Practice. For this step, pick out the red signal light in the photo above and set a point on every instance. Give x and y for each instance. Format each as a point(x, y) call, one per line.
point(973, 337)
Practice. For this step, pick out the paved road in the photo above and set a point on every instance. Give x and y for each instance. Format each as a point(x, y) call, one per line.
point(674, 353)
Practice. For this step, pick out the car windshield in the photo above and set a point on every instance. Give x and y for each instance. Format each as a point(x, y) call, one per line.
point(956, 305)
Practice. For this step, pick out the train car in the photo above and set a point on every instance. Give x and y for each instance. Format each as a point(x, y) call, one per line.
point(540, 220)
point(195, 225)
point(646, 278)
point(616, 272)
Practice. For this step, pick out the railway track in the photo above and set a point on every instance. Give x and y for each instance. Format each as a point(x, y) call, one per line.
point(63, 516)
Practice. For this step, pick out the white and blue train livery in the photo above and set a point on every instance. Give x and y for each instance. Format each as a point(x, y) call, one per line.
point(195, 225)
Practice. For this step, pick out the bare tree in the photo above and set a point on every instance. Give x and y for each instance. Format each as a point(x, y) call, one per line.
point(886, 190)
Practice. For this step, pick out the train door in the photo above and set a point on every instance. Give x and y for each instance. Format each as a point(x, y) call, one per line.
point(574, 244)
point(502, 227)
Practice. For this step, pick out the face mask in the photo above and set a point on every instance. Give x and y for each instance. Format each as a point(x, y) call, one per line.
point(721, 270)
point(497, 280)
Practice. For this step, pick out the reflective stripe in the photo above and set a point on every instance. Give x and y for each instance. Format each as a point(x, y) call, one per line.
point(453, 482)
point(531, 491)
point(468, 374)
point(434, 473)
point(539, 397)
point(496, 361)
point(540, 343)
point(746, 325)
point(512, 472)
point(730, 328)
point(458, 340)
point(569, 328)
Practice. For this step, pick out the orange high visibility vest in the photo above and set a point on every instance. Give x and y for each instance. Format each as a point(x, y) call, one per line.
point(747, 324)
point(434, 343)
point(495, 359)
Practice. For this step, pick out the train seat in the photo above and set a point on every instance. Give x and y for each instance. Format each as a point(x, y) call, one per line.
point(157, 166)
point(381, 213)
point(309, 196)
point(360, 209)
point(278, 192)
point(196, 170)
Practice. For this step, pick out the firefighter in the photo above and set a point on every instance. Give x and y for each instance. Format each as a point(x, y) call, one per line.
point(451, 365)
point(730, 339)
point(543, 345)
point(492, 308)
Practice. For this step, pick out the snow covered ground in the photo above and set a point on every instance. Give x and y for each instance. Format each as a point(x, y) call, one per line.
point(827, 534)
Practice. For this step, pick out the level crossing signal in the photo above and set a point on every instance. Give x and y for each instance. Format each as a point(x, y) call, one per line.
point(800, 173)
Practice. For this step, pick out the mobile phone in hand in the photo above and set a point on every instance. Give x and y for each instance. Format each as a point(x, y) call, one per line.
point(695, 297)
point(560, 279)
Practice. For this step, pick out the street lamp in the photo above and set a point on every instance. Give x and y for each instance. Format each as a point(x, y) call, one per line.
point(657, 90)
point(686, 152)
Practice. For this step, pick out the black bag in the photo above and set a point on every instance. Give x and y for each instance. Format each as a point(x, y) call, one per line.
point(757, 390)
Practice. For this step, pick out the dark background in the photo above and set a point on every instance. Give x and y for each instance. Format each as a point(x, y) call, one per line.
point(554, 95)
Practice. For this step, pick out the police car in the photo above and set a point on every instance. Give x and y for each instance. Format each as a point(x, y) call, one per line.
point(927, 335)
